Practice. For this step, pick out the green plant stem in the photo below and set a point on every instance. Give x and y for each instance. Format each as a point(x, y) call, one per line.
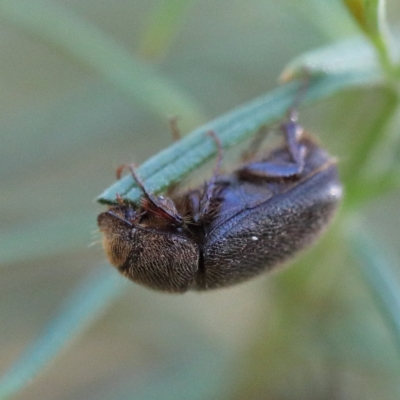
point(359, 187)
point(376, 133)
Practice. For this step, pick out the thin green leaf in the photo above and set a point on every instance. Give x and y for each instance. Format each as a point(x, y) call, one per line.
point(162, 28)
point(378, 272)
point(175, 162)
point(326, 16)
point(89, 114)
point(85, 304)
point(360, 186)
point(370, 16)
point(355, 54)
point(363, 191)
point(95, 49)
point(366, 13)
point(376, 133)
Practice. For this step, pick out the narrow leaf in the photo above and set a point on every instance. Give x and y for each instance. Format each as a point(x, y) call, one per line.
point(379, 273)
point(371, 18)
point(200, 372)
point(355, 54)
point(366, 13)
point(175, 162)
point(85, 304)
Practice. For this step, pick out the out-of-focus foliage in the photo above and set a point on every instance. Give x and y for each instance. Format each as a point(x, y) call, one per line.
point(316, 330)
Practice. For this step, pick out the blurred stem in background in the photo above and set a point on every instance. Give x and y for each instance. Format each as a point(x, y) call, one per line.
point(162, 27)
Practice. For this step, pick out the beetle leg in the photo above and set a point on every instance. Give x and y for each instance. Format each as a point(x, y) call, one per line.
point(293, 133)
point(255, 144)
point(136, 178)
point(163, 206)
point(205, 200)
point(119, 199)
point(173, 125)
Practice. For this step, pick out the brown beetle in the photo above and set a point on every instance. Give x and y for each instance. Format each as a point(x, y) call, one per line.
point(231, 229)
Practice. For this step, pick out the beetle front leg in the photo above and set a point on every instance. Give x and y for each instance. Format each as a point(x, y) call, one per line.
point(158, 205)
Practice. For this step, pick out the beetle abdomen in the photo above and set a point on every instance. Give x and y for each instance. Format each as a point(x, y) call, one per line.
point(275, 230)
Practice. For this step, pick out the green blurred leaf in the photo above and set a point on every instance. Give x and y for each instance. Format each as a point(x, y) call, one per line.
point(371, 18)
point(367, 13)
point(68, 124)
point(95, 49)
point(355, 54)
point(175, 162)
point(360, 185)
point(192, 373)
point(86, 303)
point(377, 270)
point(162, 27)
point(368, 190)
point(329, 17)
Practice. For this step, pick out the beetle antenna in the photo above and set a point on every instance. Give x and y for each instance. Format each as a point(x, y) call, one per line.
point(137, 179)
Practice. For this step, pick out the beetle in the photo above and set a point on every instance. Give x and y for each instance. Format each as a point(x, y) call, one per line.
point(232, 228)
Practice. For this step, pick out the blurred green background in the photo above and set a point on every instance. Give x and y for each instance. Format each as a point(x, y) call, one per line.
point(313, 331)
